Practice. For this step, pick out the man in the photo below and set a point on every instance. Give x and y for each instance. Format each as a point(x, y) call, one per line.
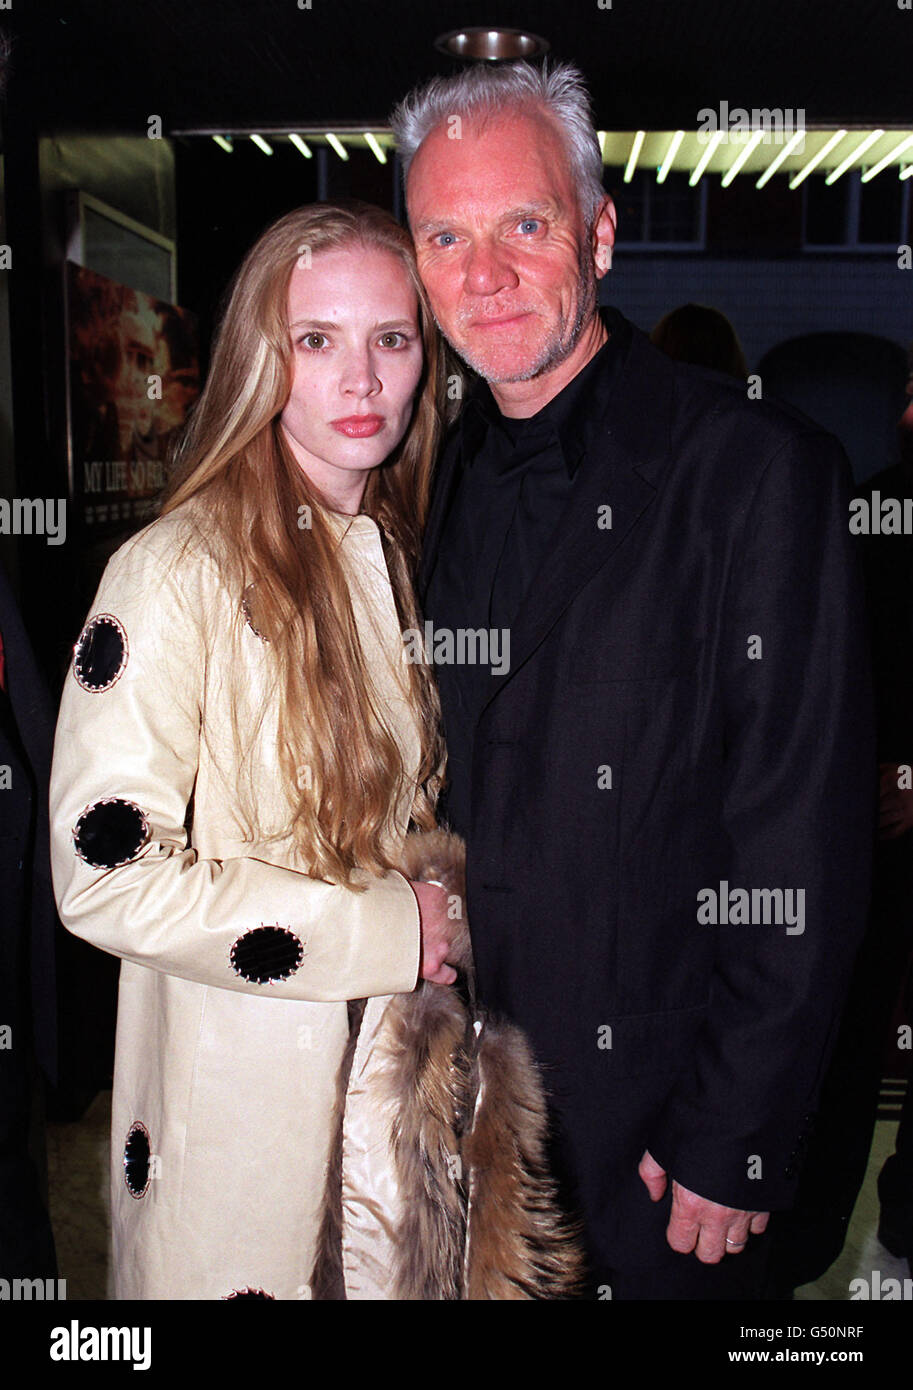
point(683, 727)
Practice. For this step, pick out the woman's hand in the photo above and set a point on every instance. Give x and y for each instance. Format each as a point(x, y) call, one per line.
point(437, 933)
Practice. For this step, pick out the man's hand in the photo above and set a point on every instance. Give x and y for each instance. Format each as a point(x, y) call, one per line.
point(698, 1224)
point(895, 806)
point(437, 932)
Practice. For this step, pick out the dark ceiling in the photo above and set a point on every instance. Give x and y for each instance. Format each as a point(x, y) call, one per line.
point(109, 64)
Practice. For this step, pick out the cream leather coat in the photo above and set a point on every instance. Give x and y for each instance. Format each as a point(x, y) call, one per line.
point(232, 1018)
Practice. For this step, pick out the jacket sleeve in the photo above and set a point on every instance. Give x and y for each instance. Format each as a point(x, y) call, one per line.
point(798, 813)
point(126, 758)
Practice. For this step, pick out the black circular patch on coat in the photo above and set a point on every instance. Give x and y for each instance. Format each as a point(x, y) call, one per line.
point(100, 654)
point(110, 833)
point(267, 954)
point(246, 1293)
point(137, 1152)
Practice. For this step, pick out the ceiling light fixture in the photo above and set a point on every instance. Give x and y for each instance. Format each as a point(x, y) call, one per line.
point(860, 149)
point(300, 146)
point(706, 157)
point(262, 144)
point(816, 159)
point(483, 44)
point(337, 145)
point(741, 157)
point(888, 159)
point(377, 149)
point(671, 152)
point(633, 156)
point(784, 154)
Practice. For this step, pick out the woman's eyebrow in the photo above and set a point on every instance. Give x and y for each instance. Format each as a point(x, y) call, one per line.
point(324, 326)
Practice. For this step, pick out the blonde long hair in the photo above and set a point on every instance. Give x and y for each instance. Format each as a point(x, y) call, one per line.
point(252, 493)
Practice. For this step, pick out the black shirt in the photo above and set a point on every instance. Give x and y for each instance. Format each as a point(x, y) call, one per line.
point(516, 478)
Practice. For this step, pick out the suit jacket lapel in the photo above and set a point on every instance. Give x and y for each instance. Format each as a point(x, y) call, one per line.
point(626, 450)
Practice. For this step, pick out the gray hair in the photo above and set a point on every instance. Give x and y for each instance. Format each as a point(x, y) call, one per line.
point(483, 90)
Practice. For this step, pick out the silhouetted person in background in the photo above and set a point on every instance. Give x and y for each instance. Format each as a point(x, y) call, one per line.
point(701, 335)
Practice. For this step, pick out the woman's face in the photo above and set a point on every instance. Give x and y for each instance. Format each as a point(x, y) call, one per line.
point(357, 353)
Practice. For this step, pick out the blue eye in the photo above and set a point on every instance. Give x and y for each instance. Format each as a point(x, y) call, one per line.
point(530, 224)
point(441, 241)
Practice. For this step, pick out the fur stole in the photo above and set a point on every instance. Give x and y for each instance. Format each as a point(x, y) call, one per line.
point(480, 1215)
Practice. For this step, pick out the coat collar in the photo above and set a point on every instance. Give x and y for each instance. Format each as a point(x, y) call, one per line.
point(627, 440)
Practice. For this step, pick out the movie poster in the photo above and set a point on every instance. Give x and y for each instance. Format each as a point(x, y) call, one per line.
point(133, 376)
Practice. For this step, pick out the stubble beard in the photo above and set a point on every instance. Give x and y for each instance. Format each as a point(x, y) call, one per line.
point(559, 345)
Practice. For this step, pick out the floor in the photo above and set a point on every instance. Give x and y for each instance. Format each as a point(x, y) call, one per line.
point(862, 1253)
point(78, 1185)
point(79, 1200)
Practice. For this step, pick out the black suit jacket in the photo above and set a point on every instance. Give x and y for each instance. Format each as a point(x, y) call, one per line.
point(631, 664)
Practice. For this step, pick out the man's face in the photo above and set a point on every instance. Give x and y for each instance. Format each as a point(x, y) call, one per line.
point(502, 245)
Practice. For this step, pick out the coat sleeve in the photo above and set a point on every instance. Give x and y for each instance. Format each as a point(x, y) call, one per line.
point(126, 758)
point(798, 813)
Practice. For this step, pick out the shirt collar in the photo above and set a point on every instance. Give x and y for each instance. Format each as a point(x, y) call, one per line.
point(566, 414)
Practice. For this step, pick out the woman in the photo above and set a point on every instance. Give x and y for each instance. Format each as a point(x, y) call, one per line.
point(240, 750)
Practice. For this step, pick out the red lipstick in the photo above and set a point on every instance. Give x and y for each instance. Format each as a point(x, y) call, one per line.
point(358, 426)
